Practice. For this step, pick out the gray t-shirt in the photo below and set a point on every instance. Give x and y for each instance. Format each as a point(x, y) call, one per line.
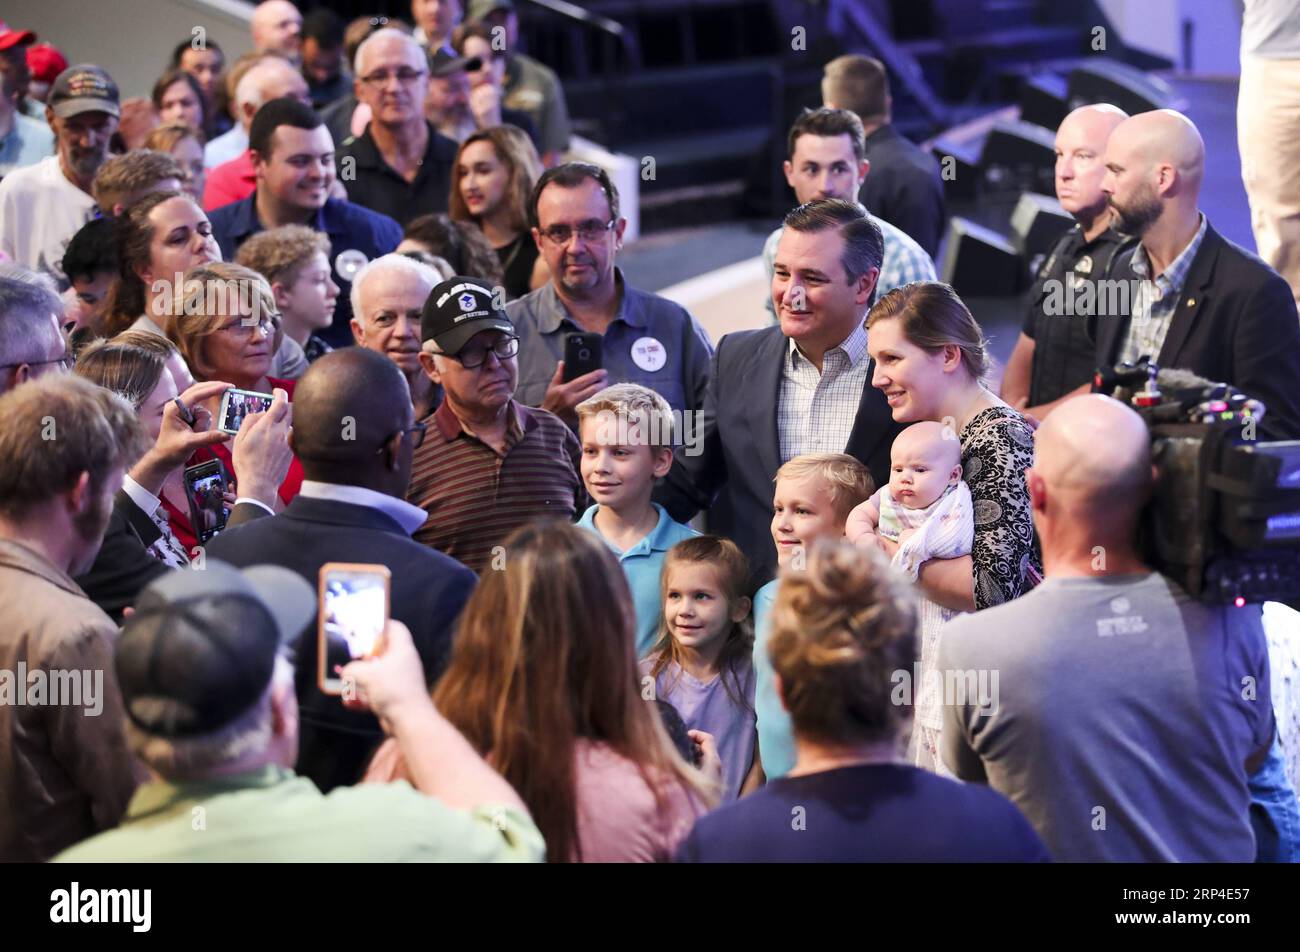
point(1118, 715)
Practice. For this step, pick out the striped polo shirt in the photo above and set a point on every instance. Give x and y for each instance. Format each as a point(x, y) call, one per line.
point(476, 497)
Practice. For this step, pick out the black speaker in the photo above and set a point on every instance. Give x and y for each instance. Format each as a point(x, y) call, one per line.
point(1120, 85)
point(1044, 100)
point(980, 262)
point(1019, 156)
point(1036, 224)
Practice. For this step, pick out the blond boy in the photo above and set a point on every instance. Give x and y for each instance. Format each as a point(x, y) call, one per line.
point(626, 432)
point(814, 495)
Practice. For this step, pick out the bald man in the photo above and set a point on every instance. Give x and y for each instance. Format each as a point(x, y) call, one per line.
point(1196, 301)
point(265, 80)
point(1055, 357)
point(354, 431)
point(277, 27)
point(400, 166)
point(1117, 722)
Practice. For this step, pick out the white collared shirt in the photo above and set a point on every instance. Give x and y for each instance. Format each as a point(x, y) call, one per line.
point(400, 511)
point(817, 410)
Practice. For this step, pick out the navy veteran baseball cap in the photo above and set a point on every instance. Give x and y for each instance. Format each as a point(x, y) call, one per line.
point(84, 88)
point(200, 648)
point(458, 309)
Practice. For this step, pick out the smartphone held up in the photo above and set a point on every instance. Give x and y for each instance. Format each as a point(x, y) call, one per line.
point(354, 606)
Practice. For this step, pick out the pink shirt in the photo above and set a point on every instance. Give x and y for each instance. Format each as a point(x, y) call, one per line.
point(229, 182)
point(619, 820)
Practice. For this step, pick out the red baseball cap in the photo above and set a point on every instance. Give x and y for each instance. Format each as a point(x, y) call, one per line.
point(45, 62)
point(10, 38)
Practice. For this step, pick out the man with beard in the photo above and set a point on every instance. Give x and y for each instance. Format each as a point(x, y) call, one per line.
point(65, 772)
point(646, 339)
point(1054, 358)
point(1201, 303)
point(43, 205)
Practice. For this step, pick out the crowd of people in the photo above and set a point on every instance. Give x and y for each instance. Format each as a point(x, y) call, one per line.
point(817, 591)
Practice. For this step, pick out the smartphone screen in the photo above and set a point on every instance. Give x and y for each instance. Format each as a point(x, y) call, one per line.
point(205, 487)
point(352, 614)
point(582, 355)
point(237, 404)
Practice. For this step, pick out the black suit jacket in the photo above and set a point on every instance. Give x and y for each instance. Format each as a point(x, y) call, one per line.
point(1235, 323)
point(123, 566)
point(740, 450)
point(904, 187)
point(429, 589)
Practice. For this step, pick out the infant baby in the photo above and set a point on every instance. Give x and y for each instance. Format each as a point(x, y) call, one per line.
point(926, 513)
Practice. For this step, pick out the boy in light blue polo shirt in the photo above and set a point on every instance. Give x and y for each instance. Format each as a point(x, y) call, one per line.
point(813, 498)
point(626, 433)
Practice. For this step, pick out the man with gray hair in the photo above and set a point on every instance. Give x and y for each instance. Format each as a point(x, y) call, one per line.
point(221, 739)
point(65, 772)
point(276, 27)
point(268, 79)
point(400, 166)
point(31, 339)
point(388, 296)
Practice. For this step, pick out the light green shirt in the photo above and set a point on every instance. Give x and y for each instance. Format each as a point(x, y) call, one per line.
point(273, 815)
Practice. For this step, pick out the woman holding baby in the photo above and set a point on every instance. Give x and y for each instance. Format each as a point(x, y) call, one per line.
point(955, 514)
point(930, 362)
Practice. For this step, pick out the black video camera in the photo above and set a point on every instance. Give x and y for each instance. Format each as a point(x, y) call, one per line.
point(1224, 516)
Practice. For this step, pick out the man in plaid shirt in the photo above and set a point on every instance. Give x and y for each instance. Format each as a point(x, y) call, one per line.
point(828, 159)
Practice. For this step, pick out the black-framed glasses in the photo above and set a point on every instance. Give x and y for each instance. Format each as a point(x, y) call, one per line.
point(591, 230)
point(404, 76)
point(475, 355)
point(416, 430)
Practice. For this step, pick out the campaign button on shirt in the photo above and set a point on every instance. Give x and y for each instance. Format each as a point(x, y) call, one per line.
point(649, 354)
point(349, 262)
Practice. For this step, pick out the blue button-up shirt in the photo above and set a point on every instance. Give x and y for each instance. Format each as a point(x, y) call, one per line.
point(642, 564)
point(542, 323)
point(350, 228)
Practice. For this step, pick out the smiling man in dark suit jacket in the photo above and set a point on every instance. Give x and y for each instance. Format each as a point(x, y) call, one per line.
point(354, 430)
point(1218, 311)
point(801, 387)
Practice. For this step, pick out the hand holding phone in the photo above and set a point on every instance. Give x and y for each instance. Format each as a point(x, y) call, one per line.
point(205, 489)
point(352, 615)
point(389, 680)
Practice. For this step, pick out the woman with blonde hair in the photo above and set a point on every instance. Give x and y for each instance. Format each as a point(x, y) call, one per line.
point(543, 682)
point(930, 360)
point(842, 645)
point(184, 143)
point(491, 181)
point(225, 325)
point(139, 366)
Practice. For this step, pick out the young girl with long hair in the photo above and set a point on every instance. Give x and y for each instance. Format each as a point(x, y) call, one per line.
point(703, 662)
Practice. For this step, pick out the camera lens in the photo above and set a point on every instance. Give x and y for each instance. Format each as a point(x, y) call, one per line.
point(584, 355)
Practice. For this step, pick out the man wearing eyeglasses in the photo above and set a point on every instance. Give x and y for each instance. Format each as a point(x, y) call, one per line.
point(352, 509)
point(488, 464)
point(647, 340)
point(400, 166)
point(31, 342)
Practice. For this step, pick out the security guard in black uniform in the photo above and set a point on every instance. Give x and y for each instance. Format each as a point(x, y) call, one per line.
point(1056, 353)
point(1064, 349)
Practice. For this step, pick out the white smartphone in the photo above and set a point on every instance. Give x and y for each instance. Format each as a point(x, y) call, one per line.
point(354, 605)
point(237, 404)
